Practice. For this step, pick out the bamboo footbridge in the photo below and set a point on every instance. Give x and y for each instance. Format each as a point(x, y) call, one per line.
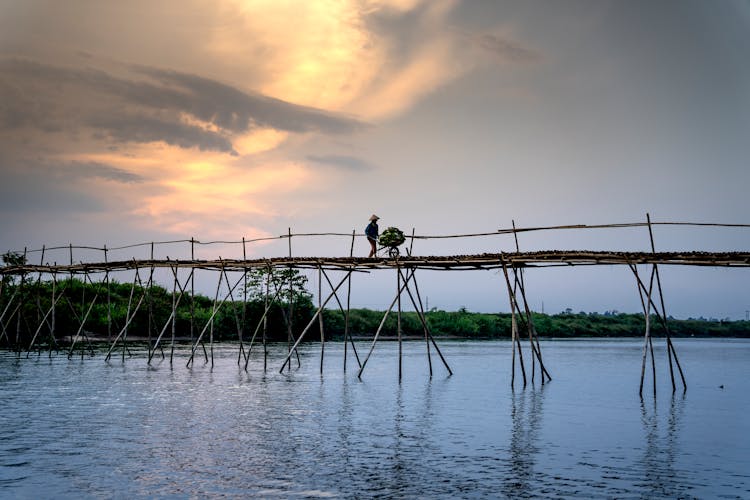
point(27, 321)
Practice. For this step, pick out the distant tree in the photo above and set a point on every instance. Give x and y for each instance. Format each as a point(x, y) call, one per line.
point(289, 283)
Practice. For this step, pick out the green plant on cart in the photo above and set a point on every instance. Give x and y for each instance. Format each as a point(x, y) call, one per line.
point(392, 237)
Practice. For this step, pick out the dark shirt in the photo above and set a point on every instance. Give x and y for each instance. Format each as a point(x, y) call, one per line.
point(372, 231)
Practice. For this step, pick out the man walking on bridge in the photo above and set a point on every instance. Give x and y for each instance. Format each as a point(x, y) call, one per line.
point(371, 231)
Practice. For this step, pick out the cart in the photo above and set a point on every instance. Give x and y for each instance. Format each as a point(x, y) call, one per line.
point(391, 238)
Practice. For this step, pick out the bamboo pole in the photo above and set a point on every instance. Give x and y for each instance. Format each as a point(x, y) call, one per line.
point(149, 290)
point(647, 335)
point(670, 348)
point(345, 313)
point(514, 328)
point(128, 318)
point(423, 318)
point(171, 320)
point(109, 298)
point(236, 318)
point(244, 303)
point(262, 321)
point(382, 323)
point(136, 279)
point(347, 335)
point(265, 324)
point(39, 328)
point(398, 320)
point(536, 349)
point(192, 290)
point(659, 316)
point(320, 317)
point(209, 322)
point(291, 299)
point(80, 328)
point(312, 320)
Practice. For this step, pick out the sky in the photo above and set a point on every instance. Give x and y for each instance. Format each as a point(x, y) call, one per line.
point(140, 121)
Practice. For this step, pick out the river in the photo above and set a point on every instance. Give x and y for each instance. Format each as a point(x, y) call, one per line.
point(86, 428)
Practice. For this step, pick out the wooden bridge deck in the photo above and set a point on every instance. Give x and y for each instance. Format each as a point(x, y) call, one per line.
point(448, 262)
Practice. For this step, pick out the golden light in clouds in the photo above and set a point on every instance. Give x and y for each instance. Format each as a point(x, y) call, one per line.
point(322, 54)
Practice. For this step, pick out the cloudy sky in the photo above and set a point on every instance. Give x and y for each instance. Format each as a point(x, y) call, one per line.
point(124, 122)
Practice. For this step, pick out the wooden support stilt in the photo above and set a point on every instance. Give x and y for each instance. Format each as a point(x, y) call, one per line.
point(516, 341)
point(41, 324)
point(291, 300)
point(309, 324)
point(536, 349)
point(659, 315)
point(345, 313)
point(265, 324)
point(646, 305)
point(109, 297)
point(122, 333)
point(263, 321)
point(236, 316)
point(382, 323)
point(215, 310)
point(149, 289)
point(244, 304)
point(320, 317)
point(671, 353)
point(172, 317)
point(192, 290)
point(398, 320)
point(423, 318)
point(347, 334)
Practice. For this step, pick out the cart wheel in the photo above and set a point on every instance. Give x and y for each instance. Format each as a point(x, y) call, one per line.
point(393, 252)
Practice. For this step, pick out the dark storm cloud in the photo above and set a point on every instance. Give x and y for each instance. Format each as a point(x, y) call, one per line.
point(100, 170)
point(48, 98)
point(141, 128)
point(507, 50)
point(234, 110)
point(341, 161)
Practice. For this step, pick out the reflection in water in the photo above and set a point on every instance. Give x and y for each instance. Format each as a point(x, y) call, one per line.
point(74, 428)
point(660, 477)
point(526, 416)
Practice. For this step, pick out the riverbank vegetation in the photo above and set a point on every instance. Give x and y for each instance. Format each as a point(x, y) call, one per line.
point(28, 304)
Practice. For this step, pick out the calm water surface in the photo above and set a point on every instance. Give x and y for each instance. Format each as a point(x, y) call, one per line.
point(89, 429)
